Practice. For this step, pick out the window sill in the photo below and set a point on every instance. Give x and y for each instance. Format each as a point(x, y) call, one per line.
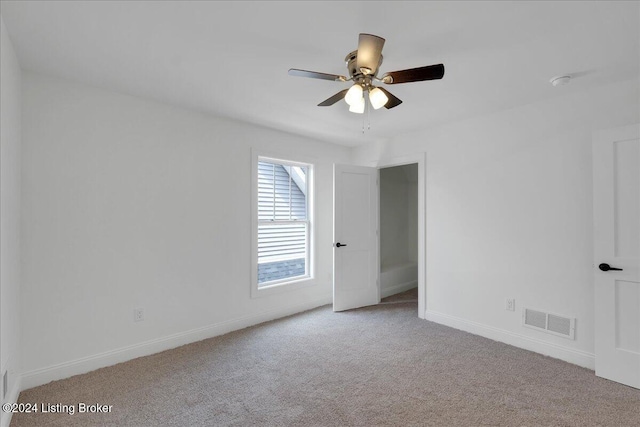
point(278, 288)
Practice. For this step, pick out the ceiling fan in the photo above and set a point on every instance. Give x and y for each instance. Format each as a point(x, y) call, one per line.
point(363, 65)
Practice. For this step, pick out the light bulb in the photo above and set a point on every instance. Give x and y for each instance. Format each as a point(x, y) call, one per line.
point(354, 94)
point(378, 98)
point(358, 106)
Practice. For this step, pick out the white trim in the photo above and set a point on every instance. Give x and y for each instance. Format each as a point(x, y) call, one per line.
point(396, 289)
point(277, 286)
point(308, 279)
point(85, 364)
point(12, 397)
point(571, 355)
point(421, 160)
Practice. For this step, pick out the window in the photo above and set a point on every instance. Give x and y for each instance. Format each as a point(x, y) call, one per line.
point(283, 228)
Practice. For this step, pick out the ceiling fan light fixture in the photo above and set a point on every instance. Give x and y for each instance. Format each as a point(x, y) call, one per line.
point(378, 98)
point(358, 106)
point(354, 95)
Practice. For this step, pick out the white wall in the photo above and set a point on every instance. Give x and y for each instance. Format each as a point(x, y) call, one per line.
point(412, 215)
point(398, 215)
point(10, 127)
point(398, 229)
point(394, 248)
point(509, 214)
point(130, 203)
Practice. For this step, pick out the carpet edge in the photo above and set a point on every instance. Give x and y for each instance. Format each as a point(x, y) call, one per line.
point(571, 355)
point(83, 365)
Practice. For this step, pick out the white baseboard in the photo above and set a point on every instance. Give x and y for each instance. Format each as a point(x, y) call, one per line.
point(571, 355)
point(80, 366)
point(11, 398)
point(396, 289)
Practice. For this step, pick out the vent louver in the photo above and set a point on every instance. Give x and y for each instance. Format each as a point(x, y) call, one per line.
point(535, 318)
point(550, 323)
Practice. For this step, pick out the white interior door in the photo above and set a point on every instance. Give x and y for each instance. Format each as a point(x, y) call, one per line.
point(616, 185)
point(355, 240)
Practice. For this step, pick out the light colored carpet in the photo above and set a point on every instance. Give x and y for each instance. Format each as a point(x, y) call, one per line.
point(377, 366)
point(408, 296)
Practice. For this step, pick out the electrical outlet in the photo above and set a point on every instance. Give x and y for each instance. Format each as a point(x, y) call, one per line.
point(511, 304)
point(138, 314)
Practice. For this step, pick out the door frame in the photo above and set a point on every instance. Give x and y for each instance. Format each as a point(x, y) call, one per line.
point(421, 160)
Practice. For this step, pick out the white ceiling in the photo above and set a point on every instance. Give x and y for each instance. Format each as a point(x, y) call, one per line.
point(231, 59)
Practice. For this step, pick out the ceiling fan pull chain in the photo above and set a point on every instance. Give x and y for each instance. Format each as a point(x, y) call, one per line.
point(368, 113)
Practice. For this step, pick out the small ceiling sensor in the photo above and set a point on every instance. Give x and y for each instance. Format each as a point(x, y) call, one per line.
point(560, 80)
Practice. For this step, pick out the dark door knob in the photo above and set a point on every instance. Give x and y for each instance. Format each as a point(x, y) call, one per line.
point(339, 245)
point(607, 267)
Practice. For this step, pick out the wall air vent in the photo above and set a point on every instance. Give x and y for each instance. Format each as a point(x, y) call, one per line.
point(549, 323)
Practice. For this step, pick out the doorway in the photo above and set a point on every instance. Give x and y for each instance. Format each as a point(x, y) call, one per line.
point(399, 233)
point(356, 232)
point(419, 162)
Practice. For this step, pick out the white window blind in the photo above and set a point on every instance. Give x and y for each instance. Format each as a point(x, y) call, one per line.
point(283, 225)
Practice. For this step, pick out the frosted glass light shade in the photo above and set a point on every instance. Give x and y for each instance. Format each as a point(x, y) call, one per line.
point(378, 98)
point(357, 107)
point(354, 94)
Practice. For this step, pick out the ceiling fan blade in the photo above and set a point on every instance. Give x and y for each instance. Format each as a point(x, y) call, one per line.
point(393, 100)
point(430, 72)
point(369, 53)
point(316, 75)
point(335, 98)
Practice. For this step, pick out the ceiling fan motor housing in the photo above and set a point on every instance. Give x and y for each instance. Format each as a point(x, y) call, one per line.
point(352, 65)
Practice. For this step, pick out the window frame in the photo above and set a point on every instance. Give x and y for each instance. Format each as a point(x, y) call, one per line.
point(286, 284)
